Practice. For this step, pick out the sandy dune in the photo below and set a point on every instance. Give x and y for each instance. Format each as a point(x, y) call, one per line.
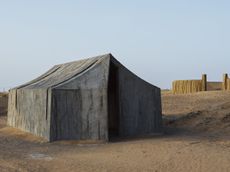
point(204, 112)
point(196, 139)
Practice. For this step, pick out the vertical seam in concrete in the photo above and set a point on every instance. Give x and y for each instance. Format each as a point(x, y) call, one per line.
point(47, 100)
point(16, 100)
point(99, 130)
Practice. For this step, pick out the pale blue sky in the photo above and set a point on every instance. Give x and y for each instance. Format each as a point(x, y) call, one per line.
point(159, 40)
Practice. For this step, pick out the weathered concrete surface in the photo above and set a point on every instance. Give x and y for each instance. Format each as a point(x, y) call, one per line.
point(140, 105)
point(83, 102)
point(76, 100)
point(29, 111)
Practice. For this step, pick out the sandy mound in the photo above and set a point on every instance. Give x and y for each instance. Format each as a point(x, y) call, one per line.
point(201, 112)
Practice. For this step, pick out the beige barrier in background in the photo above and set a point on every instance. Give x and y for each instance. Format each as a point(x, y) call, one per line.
point(226, 82)
point(189, 86)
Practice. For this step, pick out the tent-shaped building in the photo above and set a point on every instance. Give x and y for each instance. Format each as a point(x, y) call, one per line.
point(91, 99)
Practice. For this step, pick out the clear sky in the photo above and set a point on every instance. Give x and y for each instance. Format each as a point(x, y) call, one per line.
point(159, 40)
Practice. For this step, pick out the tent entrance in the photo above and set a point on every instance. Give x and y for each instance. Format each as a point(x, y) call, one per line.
point(113, 102)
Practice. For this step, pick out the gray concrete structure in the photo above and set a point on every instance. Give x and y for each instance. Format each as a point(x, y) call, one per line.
point(91, 99)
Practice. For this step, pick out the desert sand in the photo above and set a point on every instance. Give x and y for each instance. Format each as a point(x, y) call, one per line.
point(196, 138)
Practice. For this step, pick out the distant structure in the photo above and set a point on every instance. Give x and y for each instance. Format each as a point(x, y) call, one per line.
point(3, 103)
point(91, 99)
point(226, 82)
point(189, 86)
point(192, 86)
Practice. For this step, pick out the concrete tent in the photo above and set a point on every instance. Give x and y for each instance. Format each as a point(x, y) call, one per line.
point(91, 99)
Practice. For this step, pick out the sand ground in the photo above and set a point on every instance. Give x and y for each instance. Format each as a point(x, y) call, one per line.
point(196, 138)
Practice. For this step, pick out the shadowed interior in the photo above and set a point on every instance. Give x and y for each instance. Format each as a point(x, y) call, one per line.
point(113, 102)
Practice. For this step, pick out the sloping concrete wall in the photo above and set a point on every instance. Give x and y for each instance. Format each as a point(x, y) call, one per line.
point(140, 105)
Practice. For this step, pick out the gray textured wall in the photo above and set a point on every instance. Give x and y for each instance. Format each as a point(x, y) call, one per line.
point(28, 110)
point(79, 109)
point(140, 105)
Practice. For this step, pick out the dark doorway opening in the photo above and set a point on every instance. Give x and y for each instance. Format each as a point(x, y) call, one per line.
point(113, 102)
